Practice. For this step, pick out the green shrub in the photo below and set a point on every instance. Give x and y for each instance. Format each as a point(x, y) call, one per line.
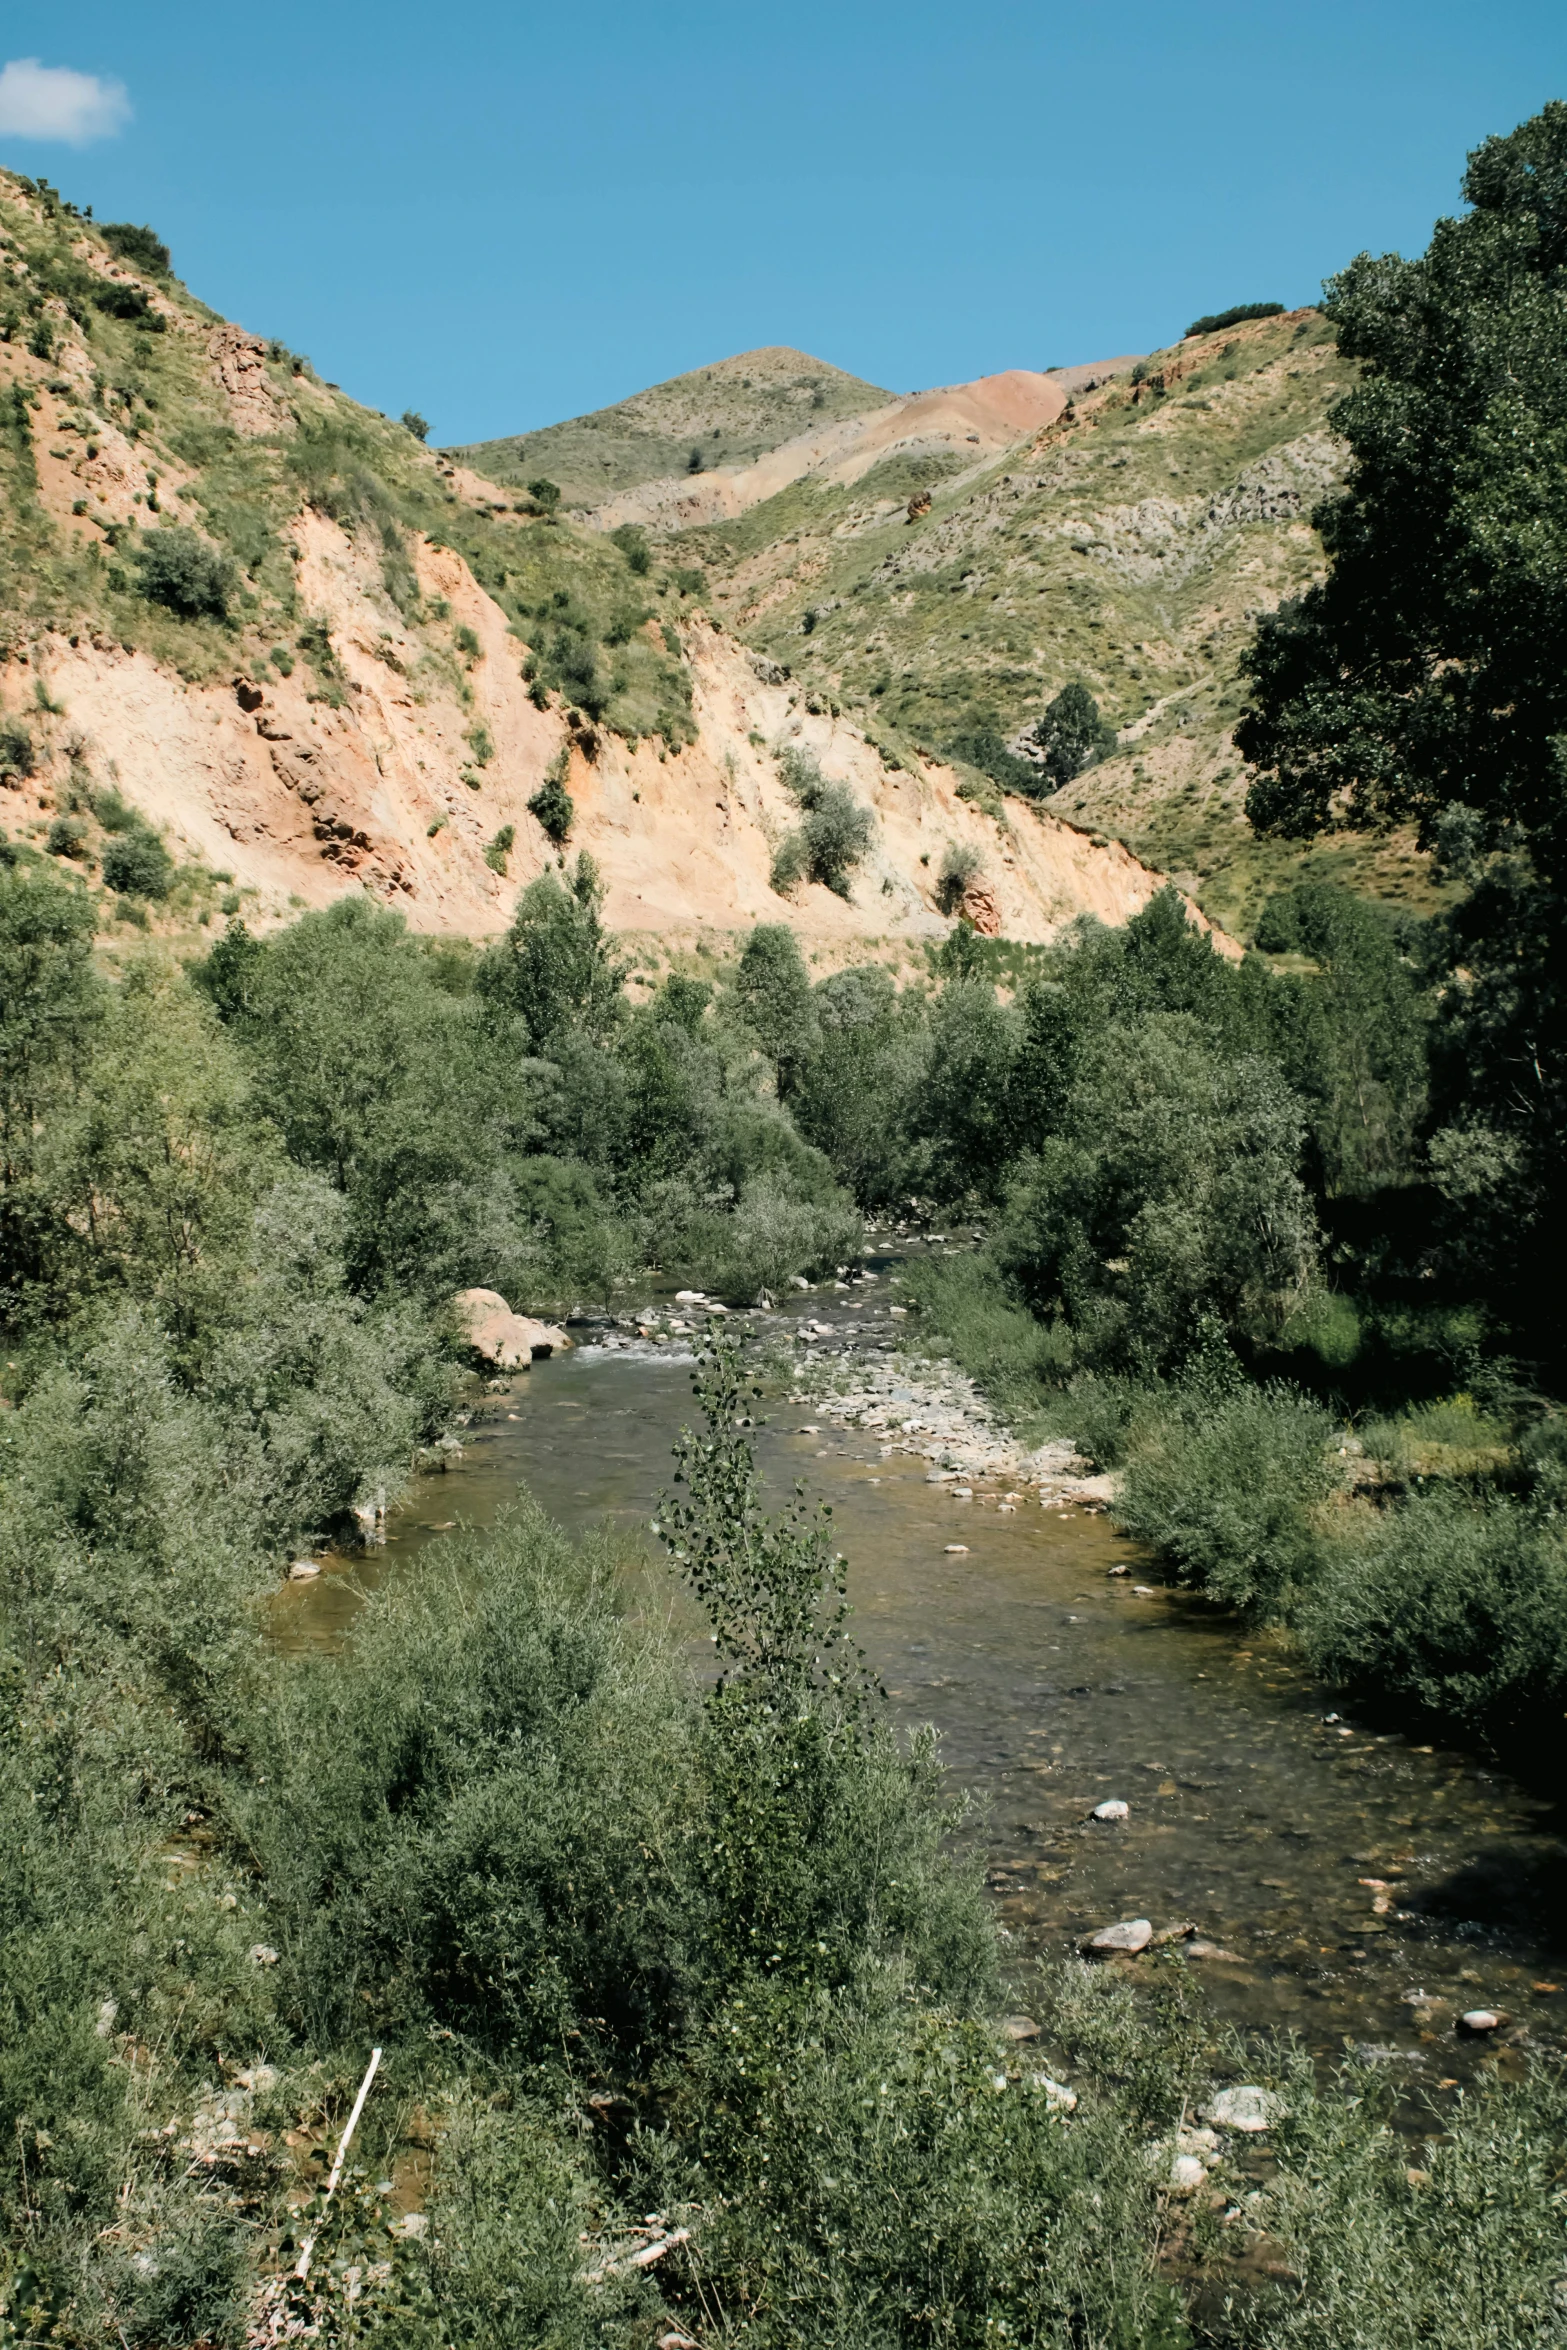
point(467, 643)
point(1452, 1603)
point(961, 865)
point(1214, 321)
point(67, 837)
point(545, 495)
point(183, 572)
point(631, 539)
point(418, 425)
point(499, 849)
point(552, 804)
point(18, 752)
point(481, 743)
point(141, 247)
point(1072, 735)
point(1228, 1487)
point(836, 833)
point(136, 864)
point(1449, 2241)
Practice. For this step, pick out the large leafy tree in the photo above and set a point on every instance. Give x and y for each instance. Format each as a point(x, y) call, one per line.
point(1424, 677)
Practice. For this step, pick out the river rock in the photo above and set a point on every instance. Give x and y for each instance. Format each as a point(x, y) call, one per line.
point(1058, 2096)
point(1247, 2108)
point(303, 1571)
point(1186, 2174)
point(1480, 2020)
point(1127, 1935)
point(1112, 1809)
point(1019, 2027)
point(497, 1335)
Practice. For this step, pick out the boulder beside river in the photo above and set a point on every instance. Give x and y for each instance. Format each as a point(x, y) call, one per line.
point(507, 1341)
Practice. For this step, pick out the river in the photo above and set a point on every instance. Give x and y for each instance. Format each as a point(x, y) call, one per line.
point(1346, 1884)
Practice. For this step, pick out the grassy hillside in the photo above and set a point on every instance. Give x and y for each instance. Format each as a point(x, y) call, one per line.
point(727, 414)
point(153, 461)
point(1129, 546)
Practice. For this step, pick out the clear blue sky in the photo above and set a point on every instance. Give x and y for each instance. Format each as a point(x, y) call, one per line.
point(506, 215)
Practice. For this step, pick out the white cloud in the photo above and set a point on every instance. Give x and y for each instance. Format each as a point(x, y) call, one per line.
point(55, 102)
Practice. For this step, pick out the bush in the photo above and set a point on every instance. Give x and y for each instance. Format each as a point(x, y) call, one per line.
point(1453, 1603)
point(1072, 735)
point(499, 849)
point(631, 539)
point(981, 745)
point(141, 247)
point(960, 865)
point(545, 495)
point(1228, 1489)
point(18, 753)
point(1216, 320)
point(552, 804)
point(834, 837)
point(181, 571)
point(1467, 2246)
point(136, 864)
point(67, 837)
point(418, 425)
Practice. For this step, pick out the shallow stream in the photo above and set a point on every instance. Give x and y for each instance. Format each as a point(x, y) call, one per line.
point(1345, 1884)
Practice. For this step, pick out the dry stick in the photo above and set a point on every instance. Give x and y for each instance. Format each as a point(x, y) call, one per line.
point(303, 2267)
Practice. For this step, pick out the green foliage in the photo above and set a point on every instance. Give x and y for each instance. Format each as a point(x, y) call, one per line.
point(835, 836)
point(1464, 2243)
point(1239, 314)
point(1456, 1605)
point(67, 837)
point(18, 752)
point(1225, 1484)
point(961, 864)
point(545, 494)
point(499, 849)
point(418, 425)
point(556, 968)
point(1072, 734)
point(179, 569)
point(631, 539)
point(980, 745)
point(141, 247)
point(773, 990)
point(552, 804)
point(136, 864)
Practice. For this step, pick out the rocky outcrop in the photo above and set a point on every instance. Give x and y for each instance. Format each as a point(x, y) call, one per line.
point(504, 1340)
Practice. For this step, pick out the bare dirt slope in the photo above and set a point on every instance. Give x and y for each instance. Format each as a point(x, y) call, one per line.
point(300, 801)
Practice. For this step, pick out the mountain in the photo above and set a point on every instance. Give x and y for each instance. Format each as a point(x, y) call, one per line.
point(720, 416)
point(1128, 543)
point(247, 618)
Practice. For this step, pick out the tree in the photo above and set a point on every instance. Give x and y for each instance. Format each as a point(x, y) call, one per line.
point(142, 247)
point(556, 967)
point(180, 570)
point(136, 864)
point(1072, 734)
point(1423, 681)
point(418, 425)
point(774, 992)
point(1424, 674)
point(52, 1003)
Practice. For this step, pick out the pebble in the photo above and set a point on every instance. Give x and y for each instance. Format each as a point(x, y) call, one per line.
point(303, 1570)
point(1112, 1809)
point(1480, 2019)
point(1128, 1934)
point(1019, 2027)
point(1144, 1591)
point(1247, 2108)
point(1186, 2174)
point(957, 1550)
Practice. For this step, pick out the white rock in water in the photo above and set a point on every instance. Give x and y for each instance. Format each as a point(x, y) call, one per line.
point(1113, 1809)
point(1480, 2019)
point(1129, 1934)
point(302, 1570)
point(1247, 2108)
point(957, 1550)
point(1187, 2174)
point(690, 1297)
